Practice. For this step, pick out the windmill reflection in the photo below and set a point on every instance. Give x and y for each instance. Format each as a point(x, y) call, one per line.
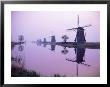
point(18, 60)
point(52, 47)
point(80, 54)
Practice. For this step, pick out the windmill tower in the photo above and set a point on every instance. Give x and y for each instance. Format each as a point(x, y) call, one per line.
point(53, 40)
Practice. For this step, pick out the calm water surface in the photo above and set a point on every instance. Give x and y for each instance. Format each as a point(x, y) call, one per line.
point(48, 62)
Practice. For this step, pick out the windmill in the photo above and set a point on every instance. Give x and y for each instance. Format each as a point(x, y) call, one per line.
point(80, 36)
point(20, 42)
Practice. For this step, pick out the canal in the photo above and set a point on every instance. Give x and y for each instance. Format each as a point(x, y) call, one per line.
point(51, 60)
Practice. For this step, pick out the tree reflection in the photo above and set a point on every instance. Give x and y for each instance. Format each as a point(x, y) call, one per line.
point(64, 51)
point(21, 48)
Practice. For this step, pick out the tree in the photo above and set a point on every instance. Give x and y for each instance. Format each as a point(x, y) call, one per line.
point(65, 37)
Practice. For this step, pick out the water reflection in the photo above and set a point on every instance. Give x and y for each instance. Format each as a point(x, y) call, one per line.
point(22, 62)
point(80, 53)
point(18, 60)
point(64, 51)
point(52, 47)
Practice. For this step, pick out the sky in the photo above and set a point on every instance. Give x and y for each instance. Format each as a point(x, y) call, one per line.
point(42, 24)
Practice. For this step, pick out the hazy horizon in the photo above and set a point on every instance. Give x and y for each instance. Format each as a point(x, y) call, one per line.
point(42, 24)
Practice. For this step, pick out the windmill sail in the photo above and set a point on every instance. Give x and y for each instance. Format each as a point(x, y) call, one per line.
point(78, 21)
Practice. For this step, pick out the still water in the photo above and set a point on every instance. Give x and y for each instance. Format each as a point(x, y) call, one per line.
point(49, 61)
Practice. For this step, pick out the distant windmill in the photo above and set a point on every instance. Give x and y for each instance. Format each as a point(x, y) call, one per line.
point(20, 42)
point(20, 38)
point(80, 36)
point(53, 40)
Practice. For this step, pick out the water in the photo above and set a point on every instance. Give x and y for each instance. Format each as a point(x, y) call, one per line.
point(48, 61)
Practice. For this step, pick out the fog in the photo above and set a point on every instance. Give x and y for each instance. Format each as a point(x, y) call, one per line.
point(39, 24)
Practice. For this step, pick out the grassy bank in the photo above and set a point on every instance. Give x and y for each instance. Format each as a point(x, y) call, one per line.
point(20, 72)
point(90, 45)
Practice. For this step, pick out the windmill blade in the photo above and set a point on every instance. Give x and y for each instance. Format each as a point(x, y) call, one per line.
point(72, 29)
point(78, 21)
point(77, 69)
point(70, 60)
point(87, 26)
point(85, 64)
point(69, 29)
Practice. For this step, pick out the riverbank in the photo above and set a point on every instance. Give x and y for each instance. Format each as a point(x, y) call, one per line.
point(21, 72)
point(90, 45)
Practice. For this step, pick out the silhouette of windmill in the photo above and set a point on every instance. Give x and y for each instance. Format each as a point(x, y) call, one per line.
point(80, 36)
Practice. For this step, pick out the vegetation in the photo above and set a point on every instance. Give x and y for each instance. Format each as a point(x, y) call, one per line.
point(20, 72)
point(65, 37)
point(58, 75)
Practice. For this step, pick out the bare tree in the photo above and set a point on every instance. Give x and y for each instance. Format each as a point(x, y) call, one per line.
point(65, 37)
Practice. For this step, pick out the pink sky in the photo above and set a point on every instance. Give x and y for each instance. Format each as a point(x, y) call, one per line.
point(39, 24)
